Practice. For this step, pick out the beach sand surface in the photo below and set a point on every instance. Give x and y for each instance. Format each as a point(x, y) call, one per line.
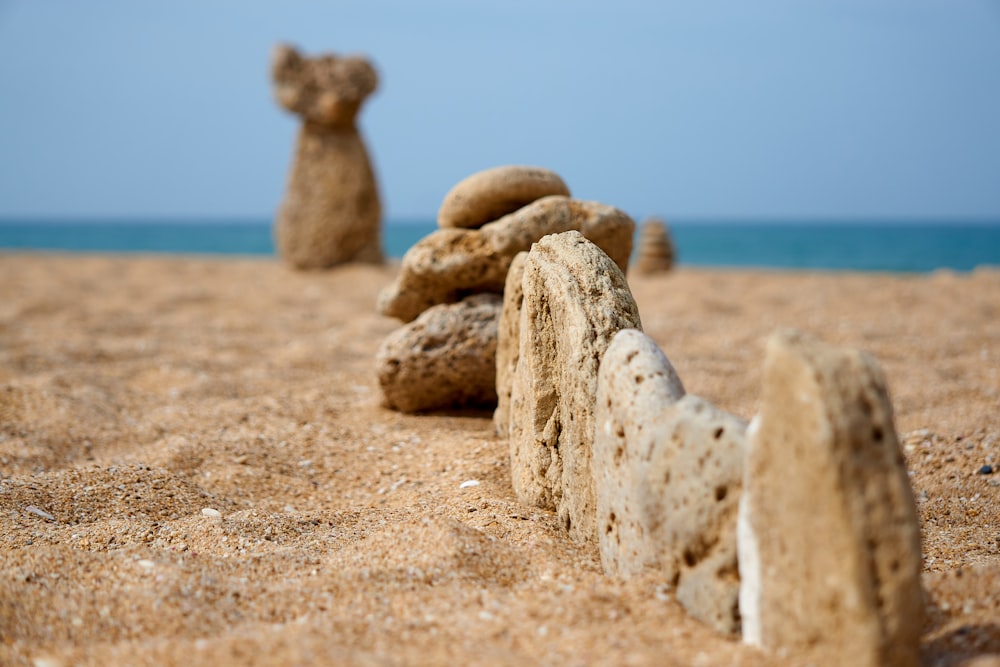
point(196, 469)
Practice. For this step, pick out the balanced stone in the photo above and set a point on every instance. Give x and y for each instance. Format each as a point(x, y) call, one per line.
point(449, 264)
point(443, 359)
point(655, 251)
point(331, 212)
point(668, 469)
point(575, 300)
point(487, 195)
point(829, 545)
point(508, 340)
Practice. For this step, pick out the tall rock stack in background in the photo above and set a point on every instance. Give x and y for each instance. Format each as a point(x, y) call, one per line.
point(655, 250)
point(485, 221)
point(331, 212)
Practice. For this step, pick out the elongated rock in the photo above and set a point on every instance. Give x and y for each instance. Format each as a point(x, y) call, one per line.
point(492, 193)
point(668, 469)
point(575, 300)
point(508, 340)
point(829, 544)
point(446, 358)
point(449, 264)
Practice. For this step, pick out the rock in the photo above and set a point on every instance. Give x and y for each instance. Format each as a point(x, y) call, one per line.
point(508, 340)
point(331, 213)
point(655, 252)
point(829, 545)
point(490, 194)
point(668, 469)
point(575, 300)
point(446, 358)
point(451, 263)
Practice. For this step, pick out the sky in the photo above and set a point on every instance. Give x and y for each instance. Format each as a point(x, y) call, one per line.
point(715, 109)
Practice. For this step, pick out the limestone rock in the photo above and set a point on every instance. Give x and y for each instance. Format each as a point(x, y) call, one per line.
point(446, 358)
point(451, 263)
point(508, 340)
point(655, 252)
point(575, 300)
point(668, 469)
point(829, 544)
point(487, 195)
point(331, 213)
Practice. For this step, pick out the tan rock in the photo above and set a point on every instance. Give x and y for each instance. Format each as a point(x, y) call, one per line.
point(490, 194)
point(668, 469)
point(655, 251)
point(451, 263)
point(508, 340)
point(446, 358)
point(575, 300)
point(829, 544)
point(331, 212)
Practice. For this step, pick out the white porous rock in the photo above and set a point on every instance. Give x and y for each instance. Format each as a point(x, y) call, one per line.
point(449, 264)
point(444, 359)
point(575, 300)
point(829, 544)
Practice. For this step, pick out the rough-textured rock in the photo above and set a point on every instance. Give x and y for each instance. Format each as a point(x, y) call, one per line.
point(446, 358)
point(331, 212)
point(829, 544)
point(655, 251)
point(575, 300)
point(508, 340)
point(668, 469)
point(487, 195)
point(449, 264)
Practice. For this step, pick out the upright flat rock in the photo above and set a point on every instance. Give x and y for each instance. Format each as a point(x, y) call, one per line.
point(508, 340)
point(449, 264)
point(668, 469)
point(490, 194)
point(575, 300)
point(446, 358)
point(829, 544)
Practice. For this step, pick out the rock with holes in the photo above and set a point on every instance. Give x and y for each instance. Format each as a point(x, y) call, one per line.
point(493, 193)
point(508, 340)
point(668, 468)
point(331, 212)
point(449, 264)
point(575, 300)
point(829, 544)
point(446, 358)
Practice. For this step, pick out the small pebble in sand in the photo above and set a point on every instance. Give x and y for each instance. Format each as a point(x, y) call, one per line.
point(212, 514)
point(147, 564)
point(468, 483)
point(31, 509)
point(986, 470)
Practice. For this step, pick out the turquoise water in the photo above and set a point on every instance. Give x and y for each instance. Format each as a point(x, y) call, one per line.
point(877, 246)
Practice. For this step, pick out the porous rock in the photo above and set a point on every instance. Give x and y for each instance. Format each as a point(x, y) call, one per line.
point(487, 195)
point(508, 340)
point(575, 300)
point(331, 212)
point(655, 250)
point(446, 358)
point(451, 263)
point(668, 469)
point(829, 545)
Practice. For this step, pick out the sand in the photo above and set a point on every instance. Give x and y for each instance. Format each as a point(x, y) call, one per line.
point(195, 469)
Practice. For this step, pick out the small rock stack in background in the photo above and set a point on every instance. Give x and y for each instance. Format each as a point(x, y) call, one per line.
point(655, 250)
point(445, 356)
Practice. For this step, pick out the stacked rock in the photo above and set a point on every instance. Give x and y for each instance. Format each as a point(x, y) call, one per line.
point(445, 355)
point(655, 251)
point(331, 212)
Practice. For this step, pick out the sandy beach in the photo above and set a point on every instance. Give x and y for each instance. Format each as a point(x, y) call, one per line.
point(196, 469)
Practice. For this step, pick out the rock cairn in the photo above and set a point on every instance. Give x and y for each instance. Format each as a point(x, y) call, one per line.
point(331, 212)
point(470, 255)
point(655, 250)
point(829, 545)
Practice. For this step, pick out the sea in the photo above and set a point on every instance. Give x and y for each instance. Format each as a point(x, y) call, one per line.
point(894, 246)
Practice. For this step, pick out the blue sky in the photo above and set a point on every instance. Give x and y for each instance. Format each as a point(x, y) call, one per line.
point(790, 109)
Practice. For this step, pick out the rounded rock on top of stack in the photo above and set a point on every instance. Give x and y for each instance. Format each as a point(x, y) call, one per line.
point(493, 193)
